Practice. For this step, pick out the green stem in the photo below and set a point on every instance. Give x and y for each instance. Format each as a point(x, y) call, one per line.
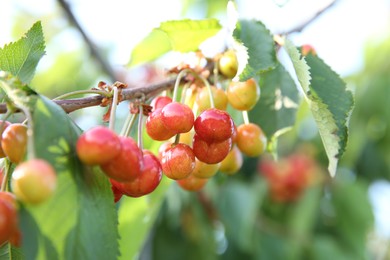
point(183, 93)
point(177, 83)
point(82, 92)
point(7, 176)
point(114, 105)
point(177, 139)
point(127, 127)
point(140, 127)
point(210, 92)
point(30, 135)
point(246, 117)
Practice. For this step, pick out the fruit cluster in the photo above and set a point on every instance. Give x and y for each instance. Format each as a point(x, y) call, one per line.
point(290, 176)
point(132, 171)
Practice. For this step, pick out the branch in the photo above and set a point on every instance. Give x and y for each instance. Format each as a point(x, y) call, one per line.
point(92, 47)
point(70, 105)
point(302, 26)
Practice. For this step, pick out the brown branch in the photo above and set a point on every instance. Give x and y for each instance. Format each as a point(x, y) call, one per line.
point(302, 26)
point(70, 105)
point(106, 67)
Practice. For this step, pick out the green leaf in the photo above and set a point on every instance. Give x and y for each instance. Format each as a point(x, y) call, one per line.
point(277, 106)
point(7, 251)
point(79, 221)
point(329, 101)
point(183, 35)
point(260, 47)
point(136, 217)
point(21, 58)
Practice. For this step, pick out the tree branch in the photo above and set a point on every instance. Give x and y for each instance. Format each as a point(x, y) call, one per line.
point(70, 105)
point(302, 26)
point(106, 67)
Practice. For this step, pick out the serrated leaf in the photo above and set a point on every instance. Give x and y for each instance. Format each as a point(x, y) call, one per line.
point(277, 106)
point(21, 57)
point(329, 101)
point(183, 36)
point(9, 252)
point(79, 221)
point(259, 43)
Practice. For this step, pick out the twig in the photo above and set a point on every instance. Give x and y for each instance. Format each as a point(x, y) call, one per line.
point(92, 47)
point(70, 105)
point(302, 26)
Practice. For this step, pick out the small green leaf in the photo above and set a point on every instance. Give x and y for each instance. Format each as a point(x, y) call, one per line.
point(329, 101)
point(260, 47)
point(7, 251)
point(277, 106)
point(183, 35)
point(21, 57)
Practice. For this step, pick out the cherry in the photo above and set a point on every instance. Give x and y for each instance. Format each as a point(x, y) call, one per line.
point(214, 125)
point(243, 95)
point(147, 181)
point(177, 117)
point(3, 126)
point(219, 97)
point(178, 161)
point(211, 153)
point(160, 102)
point(10, 197)
point(14, 142)
point(228, 64)
point(163, 147)
point(192, 183)
point(251, 140)
point(34, 181)
point(16, 238)
point(308, 49)
point(98, 145)
point(155, 127)
point(8, 220)
point(126, 166)
point(205, 170)
point(233, 162)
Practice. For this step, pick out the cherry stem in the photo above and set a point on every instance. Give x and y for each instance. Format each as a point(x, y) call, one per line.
point(128, 124)
point(140, 127)
point(82, 92)
point(177, 83)
point(210, 92)
point(177, 139)
point(183, 93)
point(245, 116)
point(114, 105)
point(7, 176)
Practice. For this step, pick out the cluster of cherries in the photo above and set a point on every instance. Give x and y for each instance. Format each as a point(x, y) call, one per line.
point(33, 181)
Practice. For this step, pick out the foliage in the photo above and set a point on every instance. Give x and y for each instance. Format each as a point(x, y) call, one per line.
point(233, 217)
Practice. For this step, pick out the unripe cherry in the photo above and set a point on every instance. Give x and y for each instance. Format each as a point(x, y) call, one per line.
point(14, 142)
point(243, 95)
point(219, 98)
point(228, 64)
point(3, 126)
point(205, 170)
point(192, 183)
point(98, 146)
point(251, 140)
point(34, 181)
point(233, 162)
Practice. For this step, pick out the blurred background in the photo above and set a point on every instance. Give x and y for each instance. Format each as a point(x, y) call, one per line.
point(235, 217)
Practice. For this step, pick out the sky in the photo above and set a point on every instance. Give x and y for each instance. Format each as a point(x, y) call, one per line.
point(339, 34)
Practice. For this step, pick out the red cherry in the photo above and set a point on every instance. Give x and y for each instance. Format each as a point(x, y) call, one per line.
point(8, 221)
point(126, 166)
point(148, 180)
point(116, 190)
point(3, 126)
point(98, 146)
point(178, 117)
point(155, 127)
point(214, 125)
point(178, 161)
point(160, 102)
point(213, 152)
point(14, 142)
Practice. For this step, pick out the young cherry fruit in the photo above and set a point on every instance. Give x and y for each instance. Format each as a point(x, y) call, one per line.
point(178, 161)
point(8, 220)
point(147, 181)
point(233, 162)
point(214, 125)
point(228, 64)
point(251, 140)
point(126, 166)
point(219, 97)
point(155, 127)
point(213, 152)
point(98, 146)
point(177, 117)
point(160, 102)
point(205, 170)
point(3, 126)
point(14, 142)
point(243, 95)
point(34, 181)
point(192, 183)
